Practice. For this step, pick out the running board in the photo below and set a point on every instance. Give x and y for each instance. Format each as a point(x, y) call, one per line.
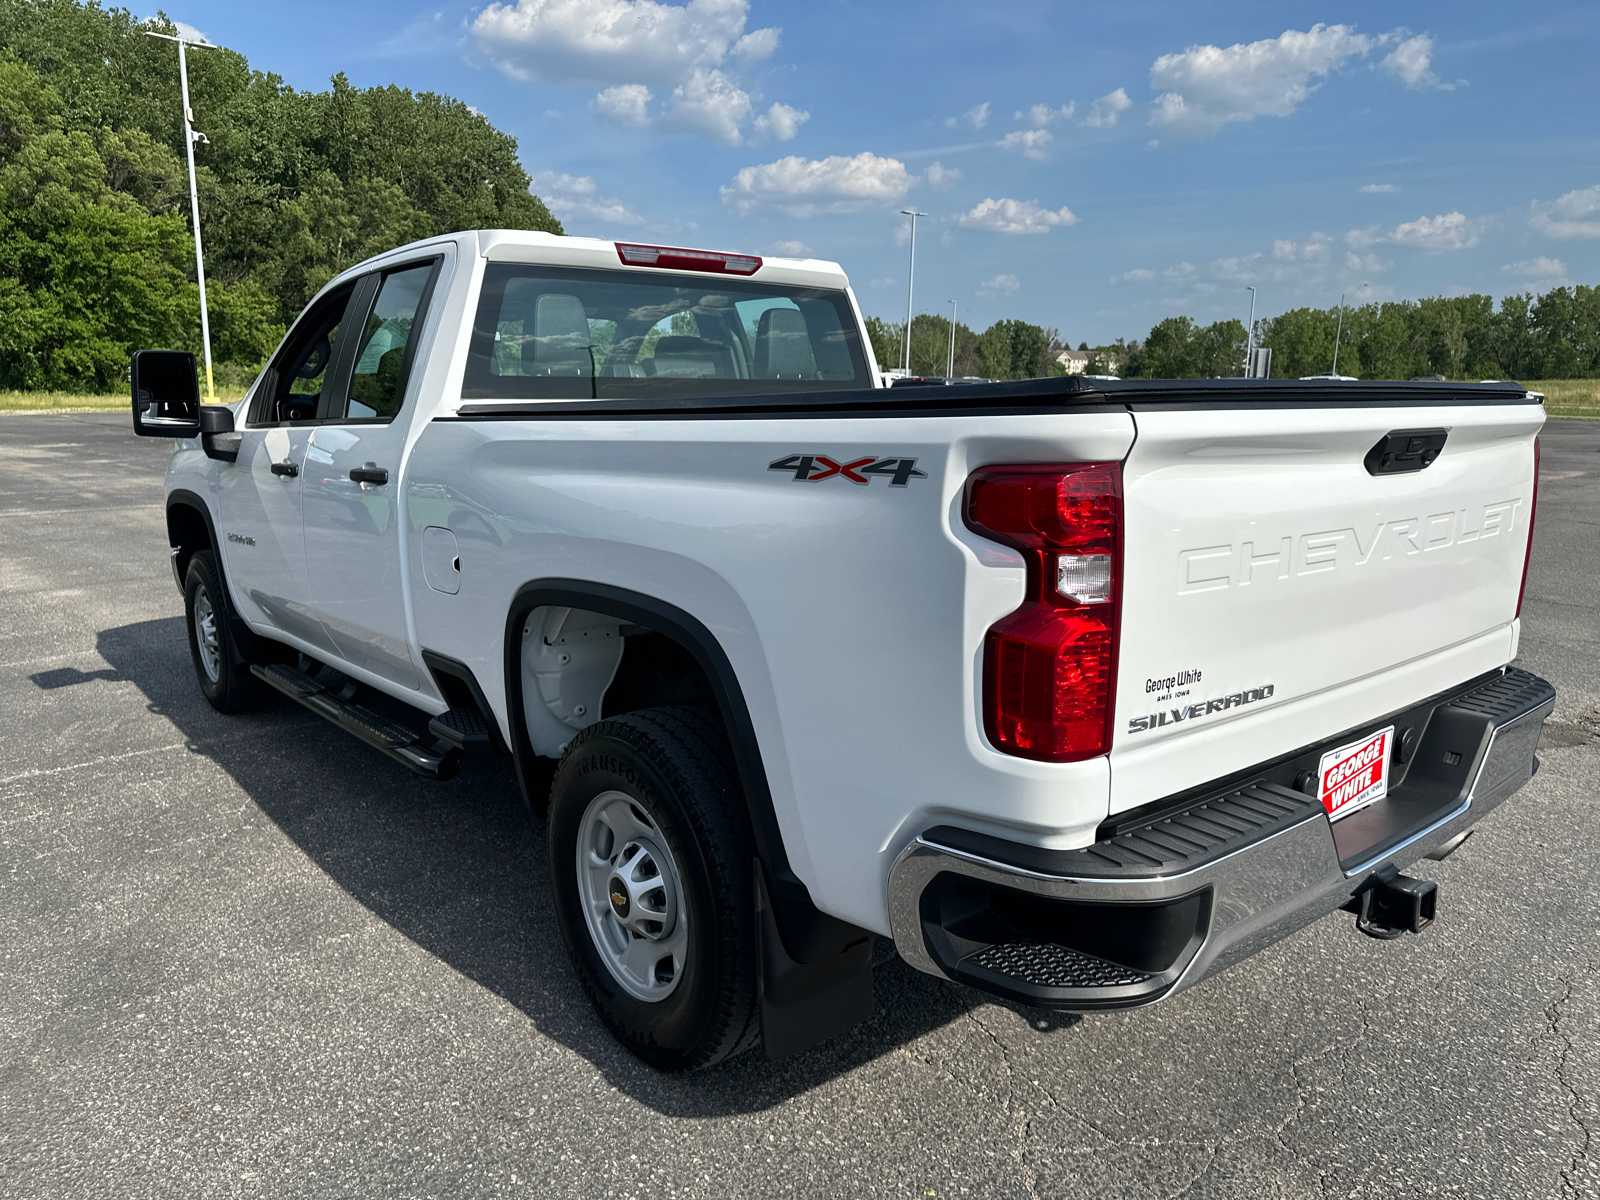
point(438, 761)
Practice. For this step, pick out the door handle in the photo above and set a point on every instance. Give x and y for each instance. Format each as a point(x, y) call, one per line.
point(287, 469)
point(370, 473)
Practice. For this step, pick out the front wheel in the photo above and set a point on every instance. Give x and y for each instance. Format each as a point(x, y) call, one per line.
point(216, 661)
point(650, 856)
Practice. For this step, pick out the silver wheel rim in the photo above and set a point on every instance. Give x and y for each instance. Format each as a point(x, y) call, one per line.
point(632, 899)
point(205, 635)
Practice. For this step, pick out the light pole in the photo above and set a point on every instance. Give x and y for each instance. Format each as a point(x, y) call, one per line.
point(1339, 329)
point(911, 279)
point(190, 137)
point(950, 367)
point(1250, 337)
point(1338, 332)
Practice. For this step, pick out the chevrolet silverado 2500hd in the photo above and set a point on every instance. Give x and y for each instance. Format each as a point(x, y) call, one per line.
point(1080, 691)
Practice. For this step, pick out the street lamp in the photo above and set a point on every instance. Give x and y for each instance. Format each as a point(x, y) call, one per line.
point(950, 368)
point(1250, 337)
point(1339, 329)
point(911, 278)
point(190, 137)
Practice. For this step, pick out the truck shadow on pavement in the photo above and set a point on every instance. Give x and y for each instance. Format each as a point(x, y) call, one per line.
point(460, 869)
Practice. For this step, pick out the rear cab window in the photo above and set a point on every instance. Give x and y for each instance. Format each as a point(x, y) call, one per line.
point(576, 333)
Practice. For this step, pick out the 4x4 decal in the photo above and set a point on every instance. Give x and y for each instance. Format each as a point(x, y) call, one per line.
point(813, 468)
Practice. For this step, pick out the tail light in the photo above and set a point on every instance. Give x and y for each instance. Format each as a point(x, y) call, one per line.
point(1050, 667)
point(1533, 511)
point(674, 258)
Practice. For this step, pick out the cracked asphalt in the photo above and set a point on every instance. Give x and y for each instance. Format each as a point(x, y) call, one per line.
point(249, 957)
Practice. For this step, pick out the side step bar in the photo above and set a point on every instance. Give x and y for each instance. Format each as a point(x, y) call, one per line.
point(438, 761)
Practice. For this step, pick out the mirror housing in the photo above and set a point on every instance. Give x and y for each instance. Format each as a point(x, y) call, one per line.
point(166, 394)
point(217, 437)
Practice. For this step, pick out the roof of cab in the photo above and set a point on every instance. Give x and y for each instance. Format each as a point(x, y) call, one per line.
point(557, 250)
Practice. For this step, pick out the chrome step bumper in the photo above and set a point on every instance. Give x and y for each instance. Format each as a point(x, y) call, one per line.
point(1176, 892)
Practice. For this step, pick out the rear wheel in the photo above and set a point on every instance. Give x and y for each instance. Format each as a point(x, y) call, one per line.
point(218, 667)
point(650, 857)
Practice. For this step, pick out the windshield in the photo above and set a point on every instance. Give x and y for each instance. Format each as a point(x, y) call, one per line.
point(558, 333)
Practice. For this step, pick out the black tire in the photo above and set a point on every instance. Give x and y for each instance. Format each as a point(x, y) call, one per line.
point(219, 668)
point(675, 764)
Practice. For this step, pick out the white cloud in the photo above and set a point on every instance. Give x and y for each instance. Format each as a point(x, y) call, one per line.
point(1411, 62)
point(1315, 249)
point(577, 198)
point(1179, 272)
point(999, 285)
point(1364, 264)
point(630, 46)
point(1015, 216)
point(977, 116)
point(1573, 215)
point(791, 249)
point(1448, 231)
point(802, 187)
point(616, 41)
point(781, 122)
point(1206, 87)
point(1137, 275)
point(1538, 268)
point(1041, 115)
point(942, 178)
point(1103, 113)
point(1031, 142)
point(710, 104)
point(755, 45)
point(1376, 189)
point(626, 104)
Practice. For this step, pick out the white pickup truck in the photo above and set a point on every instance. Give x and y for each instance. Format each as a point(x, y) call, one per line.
point(1080, 691)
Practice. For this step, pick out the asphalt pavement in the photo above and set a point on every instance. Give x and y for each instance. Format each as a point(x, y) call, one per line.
point(250, 957)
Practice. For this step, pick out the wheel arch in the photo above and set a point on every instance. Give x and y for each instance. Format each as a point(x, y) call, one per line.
point(190, 529)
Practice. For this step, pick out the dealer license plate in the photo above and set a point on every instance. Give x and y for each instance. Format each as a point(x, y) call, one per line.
point(1355, 775)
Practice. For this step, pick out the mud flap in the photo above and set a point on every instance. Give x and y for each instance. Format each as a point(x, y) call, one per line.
point(804, 1003)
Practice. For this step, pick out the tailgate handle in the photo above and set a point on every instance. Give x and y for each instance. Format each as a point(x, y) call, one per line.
point(1402, 450)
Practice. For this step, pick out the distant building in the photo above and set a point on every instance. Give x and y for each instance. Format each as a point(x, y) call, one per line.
point(1076, 362)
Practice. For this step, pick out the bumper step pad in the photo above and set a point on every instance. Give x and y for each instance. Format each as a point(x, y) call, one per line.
point(1047, 965)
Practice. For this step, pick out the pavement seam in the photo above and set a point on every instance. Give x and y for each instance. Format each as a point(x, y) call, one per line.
point(41, 772)
point(1030, 1179)
point(1553, 1015)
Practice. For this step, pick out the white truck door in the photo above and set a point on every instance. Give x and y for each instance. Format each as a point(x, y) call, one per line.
point(351, 482)
point(262, 531)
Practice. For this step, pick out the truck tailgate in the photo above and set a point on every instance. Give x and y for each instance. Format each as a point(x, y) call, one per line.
point(1277, 593)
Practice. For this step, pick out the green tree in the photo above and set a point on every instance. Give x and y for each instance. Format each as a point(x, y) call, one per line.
point(294, 186)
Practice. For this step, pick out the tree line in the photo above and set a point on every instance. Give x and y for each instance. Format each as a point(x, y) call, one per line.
point(294, 187)
point(1552, 336)
point(1005, 350)
point(1555, 335)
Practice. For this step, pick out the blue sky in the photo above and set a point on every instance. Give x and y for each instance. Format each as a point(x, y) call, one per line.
point(1089, 167)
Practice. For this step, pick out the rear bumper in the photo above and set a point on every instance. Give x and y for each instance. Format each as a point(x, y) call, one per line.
point(1180, 890)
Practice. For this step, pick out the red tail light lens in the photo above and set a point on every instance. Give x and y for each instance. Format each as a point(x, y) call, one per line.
point(674, 258)
point(1533, 512)
point(1050, 668)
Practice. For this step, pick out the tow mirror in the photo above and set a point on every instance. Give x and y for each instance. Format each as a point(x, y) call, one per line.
point(166, 394)
point(166, 403)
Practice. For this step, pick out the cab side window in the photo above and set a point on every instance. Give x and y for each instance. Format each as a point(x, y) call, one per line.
point(377, 384)
point(296, 379)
